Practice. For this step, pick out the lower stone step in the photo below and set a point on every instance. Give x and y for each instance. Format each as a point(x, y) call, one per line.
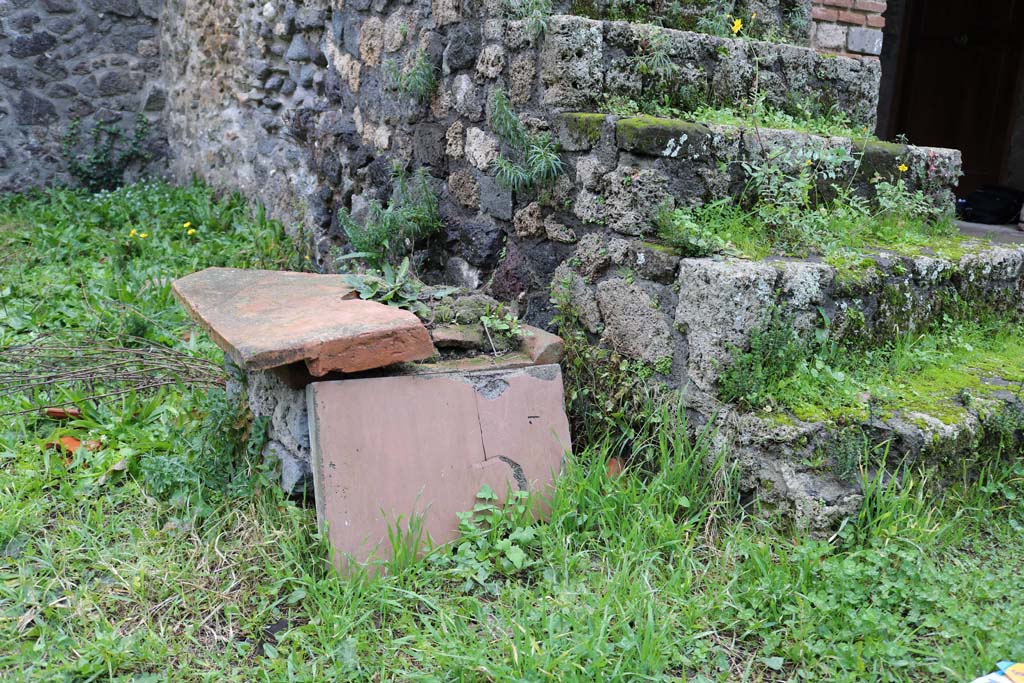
point(950, 428)
point(691, 319)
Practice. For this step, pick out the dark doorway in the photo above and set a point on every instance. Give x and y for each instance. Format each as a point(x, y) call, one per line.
point(955, 81)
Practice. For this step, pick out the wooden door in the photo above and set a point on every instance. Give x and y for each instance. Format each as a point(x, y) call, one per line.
point(957, 81)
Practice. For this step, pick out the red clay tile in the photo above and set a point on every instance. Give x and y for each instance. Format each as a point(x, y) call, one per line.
point(543, 347)
point(391, 448)
point(265, 319)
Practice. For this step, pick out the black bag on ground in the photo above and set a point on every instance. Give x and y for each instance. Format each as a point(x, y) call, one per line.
point(993, 204)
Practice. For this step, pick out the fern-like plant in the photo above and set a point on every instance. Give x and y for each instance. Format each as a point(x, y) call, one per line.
point(390, 231)
point(418, 80)
point(539, 164)
point(535, 12)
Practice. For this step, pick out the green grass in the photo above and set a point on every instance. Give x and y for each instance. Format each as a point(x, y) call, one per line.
point(928, 372)
point(760, 115)
point(839, 232)
point(654, 575)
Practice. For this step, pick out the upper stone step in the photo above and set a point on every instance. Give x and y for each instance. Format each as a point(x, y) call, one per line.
point(628, 167)
point(584, 61)
point(267, 319)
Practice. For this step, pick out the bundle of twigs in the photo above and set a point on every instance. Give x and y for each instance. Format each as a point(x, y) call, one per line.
point(42, 370)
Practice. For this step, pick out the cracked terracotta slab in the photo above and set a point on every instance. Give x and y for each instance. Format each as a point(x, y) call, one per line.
point(265, 319)
point(390, 449)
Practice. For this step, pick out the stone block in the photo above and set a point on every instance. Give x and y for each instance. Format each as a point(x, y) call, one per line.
point(265, 319)
point(830, 36)
point(392, 451)
point(867, 41)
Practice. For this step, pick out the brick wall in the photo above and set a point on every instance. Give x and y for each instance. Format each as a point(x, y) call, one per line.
point(848, 26)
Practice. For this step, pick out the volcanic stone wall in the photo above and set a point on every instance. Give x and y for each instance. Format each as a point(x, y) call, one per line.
point(97, 61)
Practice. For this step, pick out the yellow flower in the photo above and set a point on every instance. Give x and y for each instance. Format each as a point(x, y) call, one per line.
point(737, 26)
point(753, 16)
point(133, 233)
point(903, 168)
point(187, 224)
point(191, 231)
point(143, 235)
point(808, 162)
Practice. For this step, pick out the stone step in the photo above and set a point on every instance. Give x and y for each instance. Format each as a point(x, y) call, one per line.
point(627, 167)
point(687, 317)
point(651, 305)
point(583, 61)
point(809, 471)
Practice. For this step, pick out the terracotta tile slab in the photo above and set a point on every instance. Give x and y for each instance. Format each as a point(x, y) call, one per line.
point(390, 448)
point(265, 319)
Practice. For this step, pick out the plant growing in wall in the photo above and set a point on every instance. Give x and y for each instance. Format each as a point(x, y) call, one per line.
point(418, 80)
point(538, 164)
point(389, 232)
point(100, 163)
point(535, 12)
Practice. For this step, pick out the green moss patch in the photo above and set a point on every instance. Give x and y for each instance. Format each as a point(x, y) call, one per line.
point(660, 137)
point(584, 126)
point(941, 375)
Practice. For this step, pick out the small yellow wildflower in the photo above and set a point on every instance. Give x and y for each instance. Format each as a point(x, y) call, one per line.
point(143, 235)
point(808, 162)
point(191, 231)
point(133, 233)
point(187, 224)
point(737, 26)
point(903, 168)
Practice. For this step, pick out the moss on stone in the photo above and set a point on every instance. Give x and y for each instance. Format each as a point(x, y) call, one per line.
point(584, 125)
point(657, 136)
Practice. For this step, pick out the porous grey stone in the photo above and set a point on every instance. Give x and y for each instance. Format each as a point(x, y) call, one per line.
point(633, 196)
point(464, 188)
point(481, 148)
point(571, 62)
point(720, 303)
point(459, 272)
point(829, 36)
point(463, 47)
point(529, 221)
point(468, 100)
point(580, 296)
point(633, 325)
point(491, 61)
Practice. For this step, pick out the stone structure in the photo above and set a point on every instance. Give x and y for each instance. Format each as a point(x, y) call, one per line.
point(310, 106)
point(97, 61)
point(848, 26)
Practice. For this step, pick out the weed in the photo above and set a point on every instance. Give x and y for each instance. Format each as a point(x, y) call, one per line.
point(798, 203)
point(539, 164)
point(501, 325)
point(102, 165)
point(535, 12)
point(389, 232)
point(418, 80)
point(397, 287)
